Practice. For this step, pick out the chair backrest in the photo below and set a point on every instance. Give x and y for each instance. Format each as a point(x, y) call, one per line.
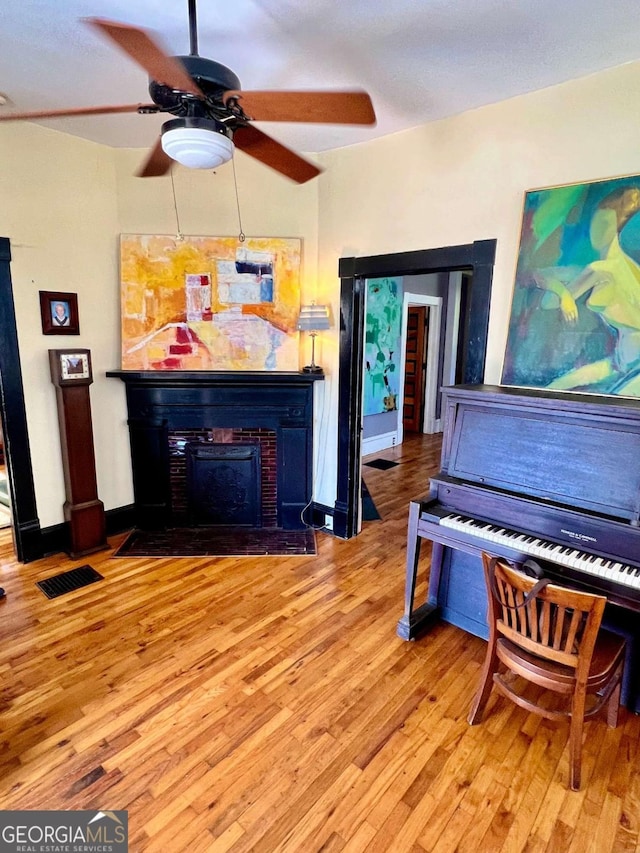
point(556, 623)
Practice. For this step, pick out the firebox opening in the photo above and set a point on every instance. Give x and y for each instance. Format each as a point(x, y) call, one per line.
point(223, 484)
point(223, 477)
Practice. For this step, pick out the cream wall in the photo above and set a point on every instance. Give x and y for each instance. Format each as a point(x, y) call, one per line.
point(270, 205)
point(65, 200)
point(463, 179)
point(58, 208)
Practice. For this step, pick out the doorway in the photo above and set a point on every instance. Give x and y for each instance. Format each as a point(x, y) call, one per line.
point(478, 258)
point(415, 367)
point(421, 326)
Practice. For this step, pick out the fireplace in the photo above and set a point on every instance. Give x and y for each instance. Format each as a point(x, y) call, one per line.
point(215, 449)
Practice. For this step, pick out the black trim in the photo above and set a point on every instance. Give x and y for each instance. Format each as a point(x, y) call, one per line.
point(478, 257)
point(316, 515)
point(120, 519)
point(229, 378)
point(352, 321)
point(26, 524)
point(420, 261)
point(56, 539)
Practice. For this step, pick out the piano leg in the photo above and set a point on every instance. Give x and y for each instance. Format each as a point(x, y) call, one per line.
point(437, 554)
point(415, 621)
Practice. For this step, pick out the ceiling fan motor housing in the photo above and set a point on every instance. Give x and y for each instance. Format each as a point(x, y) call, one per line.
point(212, 77)
point(196, 123)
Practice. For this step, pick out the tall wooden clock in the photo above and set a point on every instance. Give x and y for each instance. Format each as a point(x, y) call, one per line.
point(72, 376)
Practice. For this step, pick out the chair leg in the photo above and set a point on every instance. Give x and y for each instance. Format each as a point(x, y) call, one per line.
point(613, 706)
point(484, 689)
point(575, 741)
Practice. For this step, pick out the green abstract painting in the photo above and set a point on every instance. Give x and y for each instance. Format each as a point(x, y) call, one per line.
point(575, 316)
point(382, 345)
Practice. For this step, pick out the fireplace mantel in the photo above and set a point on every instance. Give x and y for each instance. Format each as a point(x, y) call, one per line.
point(217, 377)
point(161, 401)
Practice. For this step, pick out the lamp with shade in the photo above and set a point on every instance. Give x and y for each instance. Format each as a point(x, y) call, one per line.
point(313, 319)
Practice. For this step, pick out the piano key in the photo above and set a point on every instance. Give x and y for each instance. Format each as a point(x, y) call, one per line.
point(592, 564)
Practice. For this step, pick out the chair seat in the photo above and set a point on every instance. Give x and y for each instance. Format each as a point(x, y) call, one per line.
point(609, 650)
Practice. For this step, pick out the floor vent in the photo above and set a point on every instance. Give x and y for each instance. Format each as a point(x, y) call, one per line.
point(68, 581)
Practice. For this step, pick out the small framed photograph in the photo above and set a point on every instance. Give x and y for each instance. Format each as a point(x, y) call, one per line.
point(59, 313)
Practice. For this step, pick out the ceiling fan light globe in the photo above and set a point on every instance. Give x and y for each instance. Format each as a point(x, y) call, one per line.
point(197, 148)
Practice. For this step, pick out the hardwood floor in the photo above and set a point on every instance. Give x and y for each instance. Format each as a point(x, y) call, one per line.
point(266, 704)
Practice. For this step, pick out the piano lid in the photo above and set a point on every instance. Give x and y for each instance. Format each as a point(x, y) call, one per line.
point(581, 451)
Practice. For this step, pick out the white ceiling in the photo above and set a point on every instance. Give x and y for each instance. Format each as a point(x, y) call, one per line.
point(419, 60)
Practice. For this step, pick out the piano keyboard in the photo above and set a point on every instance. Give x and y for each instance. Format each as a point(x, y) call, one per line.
point(563, 555)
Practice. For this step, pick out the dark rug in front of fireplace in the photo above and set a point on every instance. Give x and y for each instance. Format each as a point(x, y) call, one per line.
point(382, 464)
point(218, 542)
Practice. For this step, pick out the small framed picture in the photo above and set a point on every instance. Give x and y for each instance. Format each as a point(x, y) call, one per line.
point(59, 313)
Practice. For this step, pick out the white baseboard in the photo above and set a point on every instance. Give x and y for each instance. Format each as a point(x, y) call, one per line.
point(376, 443)
point(433, 427)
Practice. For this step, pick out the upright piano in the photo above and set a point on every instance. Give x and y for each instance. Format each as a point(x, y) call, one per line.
point(530, 473)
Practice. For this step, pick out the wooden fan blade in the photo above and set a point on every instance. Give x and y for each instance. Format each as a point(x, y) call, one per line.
point(325, 107)
point(79, 111)
point(257, 144)
point(157, 163)
point(139, 45)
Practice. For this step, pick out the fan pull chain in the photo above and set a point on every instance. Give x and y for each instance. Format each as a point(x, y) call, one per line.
point(179, 234)
point(241, 235)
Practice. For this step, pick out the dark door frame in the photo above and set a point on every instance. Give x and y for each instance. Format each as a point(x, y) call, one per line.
point(26, 525)
point(478, 257)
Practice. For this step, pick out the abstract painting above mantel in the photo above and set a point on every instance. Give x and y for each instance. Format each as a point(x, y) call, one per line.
point(209, 303)
point(575, 315)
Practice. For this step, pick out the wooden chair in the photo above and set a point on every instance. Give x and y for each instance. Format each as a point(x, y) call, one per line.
point(549, 637)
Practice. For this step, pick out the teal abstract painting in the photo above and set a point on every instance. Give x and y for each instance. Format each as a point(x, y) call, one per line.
point(575, 316)
point(382, 345)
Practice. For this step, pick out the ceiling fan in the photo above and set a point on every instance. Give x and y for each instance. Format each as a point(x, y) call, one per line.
point(211, 113)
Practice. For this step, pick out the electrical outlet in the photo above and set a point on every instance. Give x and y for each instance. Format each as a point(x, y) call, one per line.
point(328, 522)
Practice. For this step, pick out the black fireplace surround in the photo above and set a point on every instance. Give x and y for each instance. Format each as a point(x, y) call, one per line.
point(161, 401)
